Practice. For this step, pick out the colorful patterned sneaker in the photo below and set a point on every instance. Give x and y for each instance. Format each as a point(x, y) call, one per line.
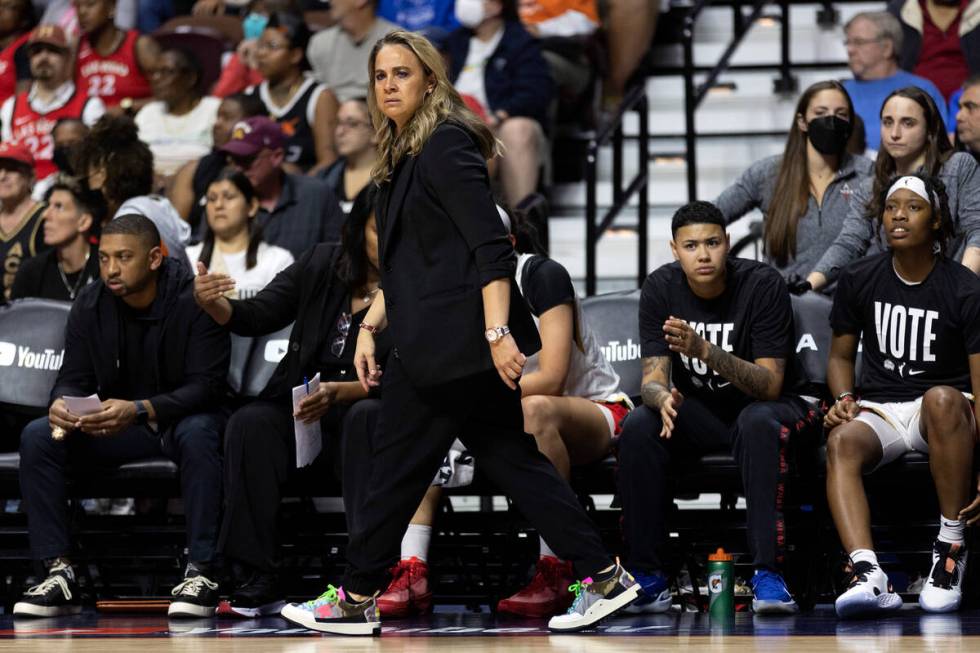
point(331, 612)
point(547, 593)
point(868, 594)
point(597, 599)
point(258, 597)
point(56, 596)
point(943, 590)
point(408, 591)
point(770, 595)
point(194, 598)
point(656, 596)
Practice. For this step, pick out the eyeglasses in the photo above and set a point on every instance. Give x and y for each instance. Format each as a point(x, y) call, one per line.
point(165, 72)
point(860, 43)
point(340, 340)
point(970, 107)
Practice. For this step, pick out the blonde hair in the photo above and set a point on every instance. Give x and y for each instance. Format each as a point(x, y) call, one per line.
point(440, 104)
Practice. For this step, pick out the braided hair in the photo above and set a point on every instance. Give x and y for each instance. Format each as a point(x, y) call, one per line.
point(939, 203)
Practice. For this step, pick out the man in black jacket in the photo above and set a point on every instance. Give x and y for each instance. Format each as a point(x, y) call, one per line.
point(158, 364)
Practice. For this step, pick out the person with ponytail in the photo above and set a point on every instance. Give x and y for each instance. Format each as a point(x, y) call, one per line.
point(917, 313)
point(913, 140)
point(806, 192)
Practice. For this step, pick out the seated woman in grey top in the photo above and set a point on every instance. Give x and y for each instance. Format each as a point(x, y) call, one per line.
point(913, 140)
point(806, 192)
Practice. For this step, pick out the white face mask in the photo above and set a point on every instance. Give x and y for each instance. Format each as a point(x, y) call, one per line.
point(470, 13)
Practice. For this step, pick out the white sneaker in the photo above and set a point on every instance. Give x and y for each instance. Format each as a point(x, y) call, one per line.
point(869, 593)
point(943, 589)
point(596, 600)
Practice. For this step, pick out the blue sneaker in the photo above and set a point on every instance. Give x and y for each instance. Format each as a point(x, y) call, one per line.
point(656, 595)
point(771, 595)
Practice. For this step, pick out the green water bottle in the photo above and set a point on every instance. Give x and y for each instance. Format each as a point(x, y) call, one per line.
point(721, 584)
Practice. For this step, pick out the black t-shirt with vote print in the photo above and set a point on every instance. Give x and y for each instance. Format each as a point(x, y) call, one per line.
point(915, 336)
point(752, 319)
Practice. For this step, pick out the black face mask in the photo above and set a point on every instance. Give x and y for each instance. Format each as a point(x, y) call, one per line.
point(829, 134)
point(62, 159)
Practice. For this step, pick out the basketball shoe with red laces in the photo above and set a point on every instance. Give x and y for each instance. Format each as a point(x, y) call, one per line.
point(546, 595)
point(408, 593)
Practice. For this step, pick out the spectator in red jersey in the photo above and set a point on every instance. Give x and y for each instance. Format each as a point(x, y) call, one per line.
point(30, 116)
point(16, 21)
point(941, 40)
point(113, 64)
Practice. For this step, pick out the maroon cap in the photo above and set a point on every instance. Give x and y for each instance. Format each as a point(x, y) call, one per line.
point(252, 135)
point(18, 152)
point(51, 35)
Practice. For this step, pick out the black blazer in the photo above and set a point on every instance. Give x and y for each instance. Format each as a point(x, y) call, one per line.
point(190, 365)
point(441, 240)
point(307, 292)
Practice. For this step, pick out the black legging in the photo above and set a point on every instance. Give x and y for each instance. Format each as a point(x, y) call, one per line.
point(645, 459)
point(260, 456)
point(416, 428)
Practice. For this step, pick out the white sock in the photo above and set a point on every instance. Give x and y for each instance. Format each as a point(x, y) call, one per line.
point(415, 542)
point(950, 530)
point(864, 555)
point(545, 550)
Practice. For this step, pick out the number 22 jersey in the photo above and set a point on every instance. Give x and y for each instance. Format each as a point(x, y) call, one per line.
point(113, 77)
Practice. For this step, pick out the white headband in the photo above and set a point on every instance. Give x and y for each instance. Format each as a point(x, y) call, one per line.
point(915, 185)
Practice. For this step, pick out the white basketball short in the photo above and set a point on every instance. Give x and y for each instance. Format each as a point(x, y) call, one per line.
point(897, 426)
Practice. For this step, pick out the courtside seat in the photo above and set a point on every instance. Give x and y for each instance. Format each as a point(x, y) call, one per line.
point(32, 342)
point(265, 354)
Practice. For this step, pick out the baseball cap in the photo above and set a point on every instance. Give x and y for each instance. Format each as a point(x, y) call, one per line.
point(51, 35)
point(17, 152)
point(252, 135)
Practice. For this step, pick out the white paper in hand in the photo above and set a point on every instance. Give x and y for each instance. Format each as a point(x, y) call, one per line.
point(309, 440)
point(83, 405)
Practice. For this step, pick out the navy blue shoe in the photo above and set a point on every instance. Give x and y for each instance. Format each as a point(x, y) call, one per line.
point(771, 595)
point(656, 595)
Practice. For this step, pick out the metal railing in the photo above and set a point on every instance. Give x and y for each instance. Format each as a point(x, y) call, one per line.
point(635, 100)
point(694, 94)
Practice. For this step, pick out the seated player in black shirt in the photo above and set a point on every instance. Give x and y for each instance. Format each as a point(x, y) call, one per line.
point(715, 335)
point(919, 314)
point(159, 365)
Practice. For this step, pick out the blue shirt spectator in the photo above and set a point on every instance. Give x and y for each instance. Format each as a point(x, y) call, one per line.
point(868, 96)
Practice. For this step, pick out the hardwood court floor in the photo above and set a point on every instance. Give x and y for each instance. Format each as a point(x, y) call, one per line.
point(462, 632)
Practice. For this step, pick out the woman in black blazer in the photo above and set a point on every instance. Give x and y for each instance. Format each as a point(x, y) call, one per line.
point(325, 294)
point(460, 331)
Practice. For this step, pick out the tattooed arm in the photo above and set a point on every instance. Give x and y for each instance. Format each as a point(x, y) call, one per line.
point(657, 393)
point(656, 381)
point(762, 379)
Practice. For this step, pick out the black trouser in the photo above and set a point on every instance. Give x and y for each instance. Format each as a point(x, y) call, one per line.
point(416, 428)
point(194, 443)
point(260, 457)
point(755, 438)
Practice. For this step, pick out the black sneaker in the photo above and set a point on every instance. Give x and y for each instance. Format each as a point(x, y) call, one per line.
point(258, 597)
point(196, 597)
point(55, 597)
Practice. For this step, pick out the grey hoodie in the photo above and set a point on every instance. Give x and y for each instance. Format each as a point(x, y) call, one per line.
point(961, 176)
point(819, 226)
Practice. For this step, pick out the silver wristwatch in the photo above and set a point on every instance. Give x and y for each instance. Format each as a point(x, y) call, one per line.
point(494, 334)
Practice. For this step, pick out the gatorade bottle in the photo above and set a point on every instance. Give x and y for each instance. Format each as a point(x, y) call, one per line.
point(721, 584)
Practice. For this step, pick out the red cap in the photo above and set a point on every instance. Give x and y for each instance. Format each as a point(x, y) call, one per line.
point(17, 152)
point(51, 35)
point(252, 135)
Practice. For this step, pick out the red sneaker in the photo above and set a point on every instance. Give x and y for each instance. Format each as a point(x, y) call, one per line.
point(409, 590)
point(546, 595)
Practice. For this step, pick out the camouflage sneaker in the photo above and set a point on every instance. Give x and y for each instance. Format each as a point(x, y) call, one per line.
point(596, 600)
point(331, 612)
